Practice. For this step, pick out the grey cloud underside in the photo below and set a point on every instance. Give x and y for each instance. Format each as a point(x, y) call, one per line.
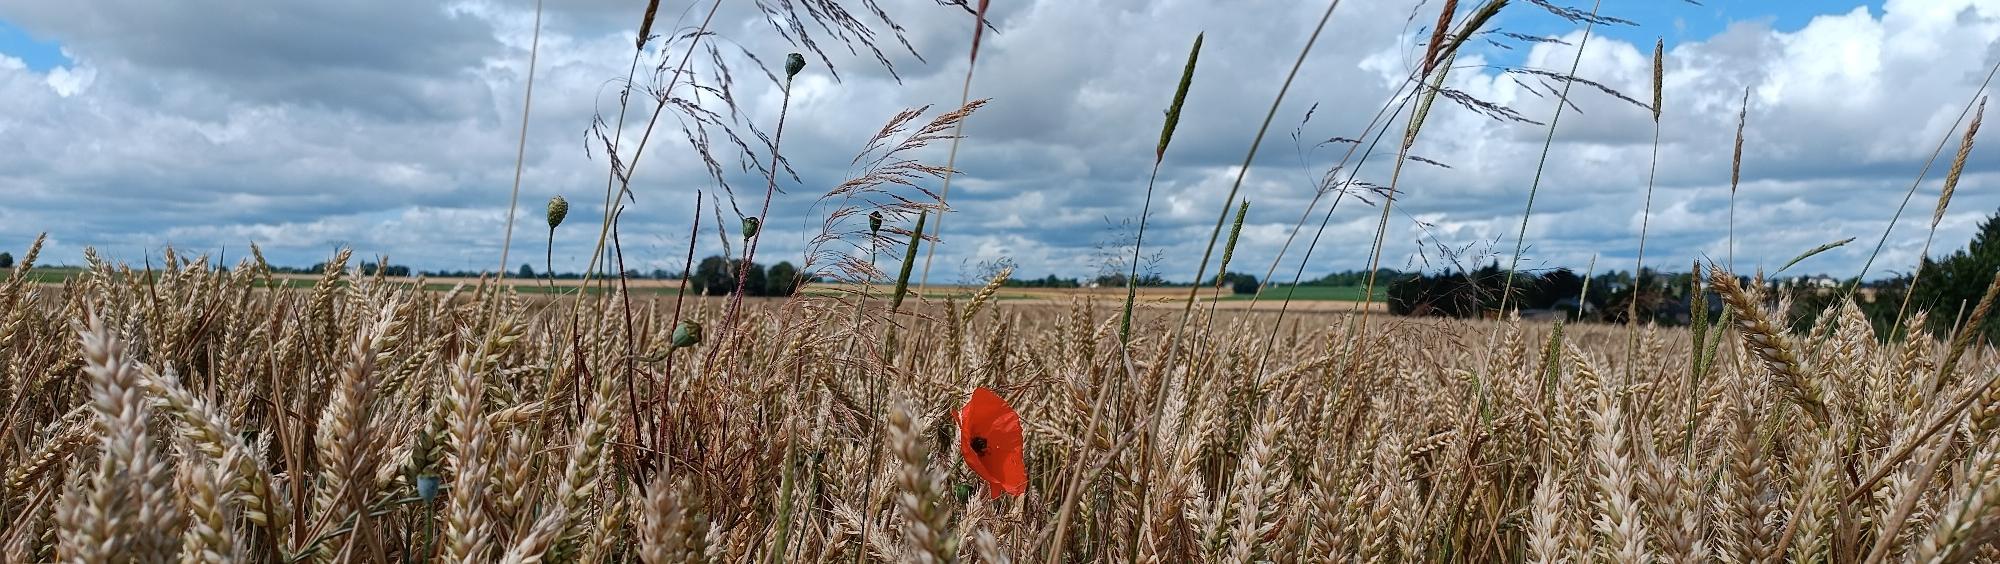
point(390, 127)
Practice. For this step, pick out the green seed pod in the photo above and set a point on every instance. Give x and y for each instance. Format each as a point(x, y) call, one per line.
point(687, 334)
point(750, 227)
point(793, 64)
point(558, 209)
point(874, 222)
point(427, 487)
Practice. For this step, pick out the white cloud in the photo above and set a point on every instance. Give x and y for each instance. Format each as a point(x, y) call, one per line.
point(390, 126)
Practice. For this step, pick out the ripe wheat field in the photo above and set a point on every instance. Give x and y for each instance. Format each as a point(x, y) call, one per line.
point(185, 413)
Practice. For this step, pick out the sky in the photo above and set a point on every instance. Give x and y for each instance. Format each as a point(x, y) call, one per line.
point(391, 127)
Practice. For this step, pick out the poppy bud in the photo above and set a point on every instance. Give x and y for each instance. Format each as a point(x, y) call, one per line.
point(687, 334)
point(874, 222)
point(750, 226)
point(558, 209)
point(793, 64)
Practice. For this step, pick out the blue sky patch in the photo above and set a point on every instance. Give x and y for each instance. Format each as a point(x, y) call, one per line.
point(39, 55)
point(1672, 20)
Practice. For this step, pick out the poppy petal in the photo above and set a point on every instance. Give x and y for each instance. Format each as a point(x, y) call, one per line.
point(988, 416)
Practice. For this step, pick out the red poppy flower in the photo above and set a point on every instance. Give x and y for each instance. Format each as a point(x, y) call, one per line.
point(989, 434)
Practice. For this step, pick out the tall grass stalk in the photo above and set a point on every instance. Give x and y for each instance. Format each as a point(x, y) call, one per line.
point(1477, 20)
point(1645, 212)
point(1977, 95)
point(618, 178)
point(1736, 174)
point(1146, 210)
point(957, 134)
point(763, 216)
point(1943, 202)
point(521, 147)
point(1542, 163)
point(1154, 400)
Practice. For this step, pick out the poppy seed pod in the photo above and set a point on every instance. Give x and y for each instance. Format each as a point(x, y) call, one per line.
point(687, 334)
point(427, 487)
point(874, 222)
point(750, 227)
point(558, 209)
point(793, 64)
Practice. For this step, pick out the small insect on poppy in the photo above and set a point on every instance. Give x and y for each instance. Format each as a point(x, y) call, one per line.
point(989, 435)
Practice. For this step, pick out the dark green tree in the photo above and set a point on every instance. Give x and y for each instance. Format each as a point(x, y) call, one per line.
point(782, 279)
point(714, 277)
point(1958, 279)
point(526, 271)
point(6, 260)
point(1555, 286)
point(1239, 283)
point(755, 283)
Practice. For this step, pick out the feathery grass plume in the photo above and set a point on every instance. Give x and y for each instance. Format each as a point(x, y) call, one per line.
point(1416, 124)
point(1770, 346)
point(127, 511)
point(1146, 209)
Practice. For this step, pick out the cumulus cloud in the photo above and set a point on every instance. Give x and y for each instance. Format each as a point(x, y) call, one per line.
point(390, 127)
